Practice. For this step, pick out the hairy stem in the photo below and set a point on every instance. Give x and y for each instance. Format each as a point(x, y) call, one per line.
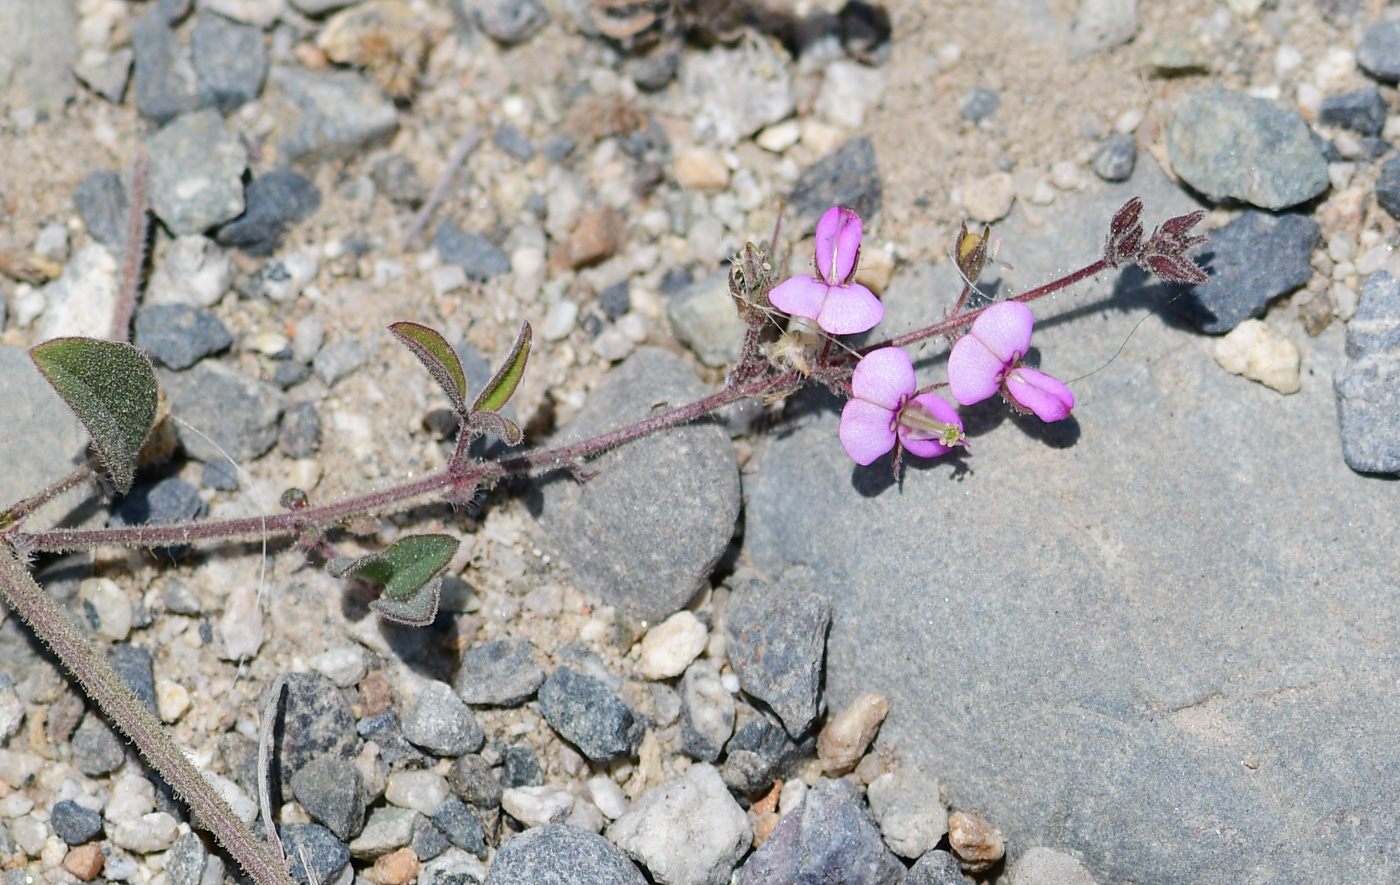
point(21, 510)
point(133, 248)
point(125, 711)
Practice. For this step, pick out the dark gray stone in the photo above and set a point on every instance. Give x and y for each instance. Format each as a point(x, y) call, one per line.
point(316, 722)
point(197, 168)
point(289, 373)
point(73, 823)
point(428, 841)
point(865, 31)
point(300, 434)
point(97, 749)
point(230, 62)
point(238, 413)
point(586, 713)
point(328, 787)
point(509, 21)
point(473, 253)
point(521, 768)
point(558, 147)
point(338, 112)
point(657, 68)
point(509, 140)
point(755, 753)
point(178, 335)
point(1388, 187)
point(1361, 110)
point(314, 854)
point(163, 84)
point(846, 177)
point(440, 723)
point(501, 673)
point(1075, 640)
point(102, 203)
point(1251, 261)
point(184, 862)
point(776, 643)
point(274, 201)
point(394, 748)
point(339, 360)
point(830, 838)
point(559, 854)
point(38, 45)
point(707, 712)
point(134, 665)
point(936, 868)
point(979, 104)
point(1378, 53)
point(1232, 146)
point(473, 780)
point(166, 501)
point(647, 528)
point(1116, 157)
point(397, 178)
point(461, 827)
point(615, 300)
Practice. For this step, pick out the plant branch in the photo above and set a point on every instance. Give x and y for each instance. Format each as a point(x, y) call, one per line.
point(24, 508)
point(124, 710)
point(133, 248)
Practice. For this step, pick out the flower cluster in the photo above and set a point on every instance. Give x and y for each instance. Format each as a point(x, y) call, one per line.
point(885, 410)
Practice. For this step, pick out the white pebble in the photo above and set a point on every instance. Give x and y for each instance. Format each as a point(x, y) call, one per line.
point(1287, 59)
point(586, 816)
point(26, 305)
point(83, 300)
point(537, 806)
point(1260, 354)
point(1372, 260)
point(284, 278)
point(447, 278)
point(132, 797)
point(848, 91)
point(110, 605)
point(195, 271)
point(669, 647)
point(704, 239)
point(730, 682)
point(344, 666)
point(608, 796)
point(1341, 247)
point(989, 198)
point(423, 791)
point(241, 626)
point(906, 807)
point(689, 829)
point(1128, 121)
point(559, 321)
point(15, 805)
point(1066, 176)
point(791, 796)
point(29, 834)
point(780, 136)
point(244, 808)
point(153, 832)
point(172, 700)
point(52, 241)
point(633, 325)
point(310, 334)
point(1344, 301)
point(612, 345)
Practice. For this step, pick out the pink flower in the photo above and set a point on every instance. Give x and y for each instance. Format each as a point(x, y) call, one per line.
point(987, 360)
point(884, 412)
point(839, 306)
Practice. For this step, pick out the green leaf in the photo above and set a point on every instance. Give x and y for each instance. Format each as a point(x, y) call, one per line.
point(419, 610)
point(438, 357)
point(502, 387)
point(407, 571)
point(112, 389)
point(495, 423)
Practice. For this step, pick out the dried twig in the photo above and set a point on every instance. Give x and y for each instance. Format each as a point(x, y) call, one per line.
point(464, 148)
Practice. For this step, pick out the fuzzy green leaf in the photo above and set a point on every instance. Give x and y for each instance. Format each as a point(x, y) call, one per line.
point(438, 357)
point(112, 389)
point(418, 610)
point(408, 572)
point(502, 387)
point(507, 430)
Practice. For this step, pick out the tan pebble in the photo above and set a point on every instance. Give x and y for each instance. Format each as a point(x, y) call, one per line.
point(876, 268)
point(172, 700)
point(989, 199)
point(977, 843)
point(85, 861)
point(670, 646)
point(769, 802)
point(311, 56)
point(398, 868)
point(700, 169)
point(845, 737)
point(598, 237)
point(375, 696)
point(764, 826)
point(1260, 354)
point(871, 766)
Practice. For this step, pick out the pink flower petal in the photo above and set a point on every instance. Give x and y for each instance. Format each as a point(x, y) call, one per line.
point(974, 372)
point(920, 444)
point(838, 243)
point(849, 309)
point(865, 430)
point(1005, 328)
point(800, 296)
point(883, 377)
point(1047, 397)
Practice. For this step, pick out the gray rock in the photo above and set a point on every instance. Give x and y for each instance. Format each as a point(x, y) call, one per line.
point(846, 177)
point(472, 779)
point(397, 178)
point(73, 823)
point(1116, 157)
point(178, 336)
point(339, 360)
point(388, 827)
point(197, 168)
point(704, 318)
point(502, 673)
point(230, 62)
point(428, 841)
point(473, 253)
point(1229, 145)
point(1375, 328)
point(456, 822)
point(1140, 555)
point(134, 665)
point(179, 598)
point(979, 104)
point(83, 300)
point(1102, 25)
point(316, 722)
point(439, 722)
point(106, 73)
point(586, 713)
point(905, 805)
point(164, 81)
point(1252, 260)
point(1388, 187)
point(337, 112)
point(184, 862)
point(686, 831)
point(220, 475)
point(329, 788)
point(753, 756)
point(314, 854)
point(97, 749)
point(1045, 866)
point(936, 868)
point(521, 768)
point(394, 748)
point(38, 45)
point(238, 413)
point(1368, 384)
point(656, 515)
point(1361, 110)
point(776, 643)
point(615, 300)
point(509, 21)
point(102, 203)
point(560, 854)
point(509, 139)
point(828, 839)
point(300, 433)
point(1378, 53)
point(737, 91)
point(707, 712)
point(558, 147)
point(274, 201)
point(40, 443)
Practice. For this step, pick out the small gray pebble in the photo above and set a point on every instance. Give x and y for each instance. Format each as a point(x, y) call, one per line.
point(440, 723)
point(184, 862)
point(328, 787)
point(979, 104)
point(96, 748)
point(936, 868)
point(521, 769)
point(102, 204)
point(274, 201)
point(585, 712)
point(230, 62)
point(1361, 110)
point(178, 335)
point(557, 854)
point(1378, 53)
point(290, 373)
point(428, 841)
point(558, 147)
point(1116, 158)
point(848, 176)
point(300, 434)
point(338, 360)
point(509, 140)
point(136, 668)
point(473, 253)
point(315, 855)
point(220, 475)
point(179, 598)
point(397, 178)
point(167, 501)
point(510, 21)
point(164, 81)
point(473, 780)
point(461, 827)
point(73, 823)
point(499, 673)
point(615, 300)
